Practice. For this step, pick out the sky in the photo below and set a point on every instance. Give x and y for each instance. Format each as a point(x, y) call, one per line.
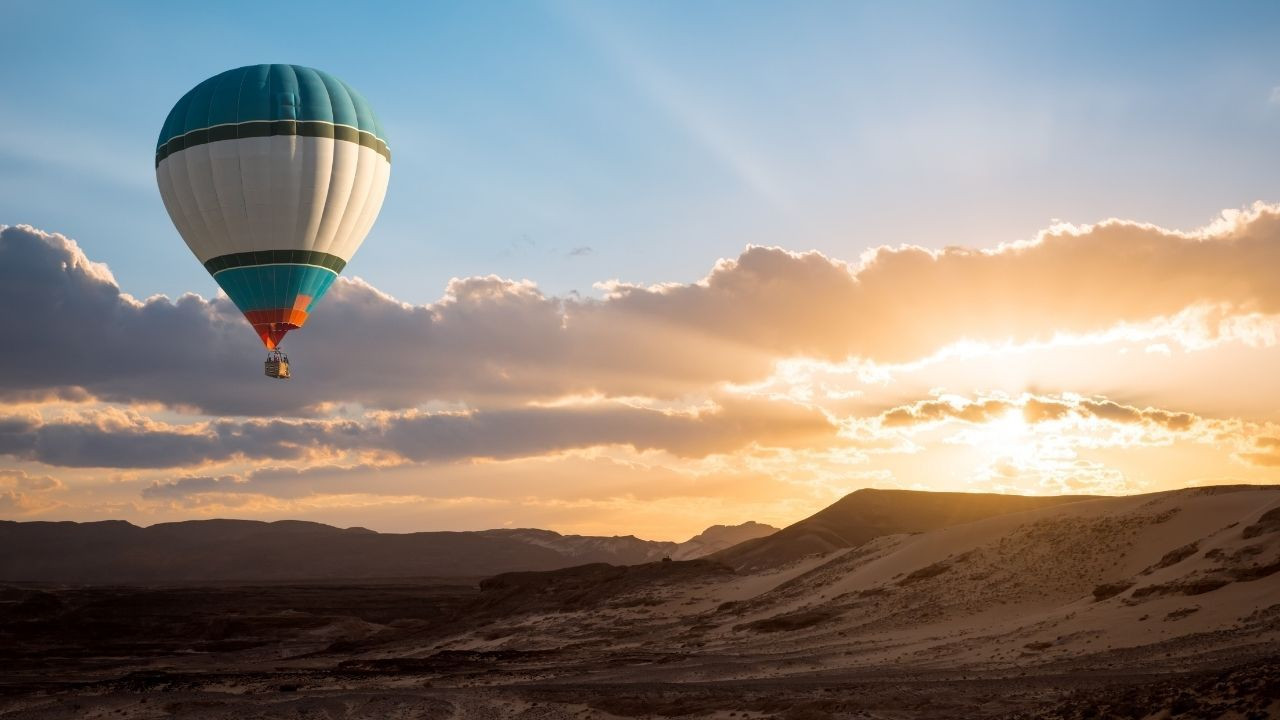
point(646, 267)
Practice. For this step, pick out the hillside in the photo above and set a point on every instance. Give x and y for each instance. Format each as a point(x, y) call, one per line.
point(866, 514)
point(1182, 581)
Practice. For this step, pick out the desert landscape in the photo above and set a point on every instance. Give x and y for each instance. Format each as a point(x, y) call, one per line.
point(640, 360)
point(888, 604)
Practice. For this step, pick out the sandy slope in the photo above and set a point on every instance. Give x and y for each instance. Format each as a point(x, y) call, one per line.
point(870, 513)
point(1019, 589)
point(996, 595)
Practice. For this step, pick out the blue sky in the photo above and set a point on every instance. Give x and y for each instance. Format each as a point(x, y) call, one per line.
point(571, 143)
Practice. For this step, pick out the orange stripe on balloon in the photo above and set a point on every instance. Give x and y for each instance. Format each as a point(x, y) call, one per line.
point(272, 325)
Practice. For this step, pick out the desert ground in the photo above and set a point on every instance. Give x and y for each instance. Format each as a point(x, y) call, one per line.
point(1149, 606)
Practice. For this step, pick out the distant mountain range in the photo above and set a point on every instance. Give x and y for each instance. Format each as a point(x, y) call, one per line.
point(201, 551)
point(115, 551)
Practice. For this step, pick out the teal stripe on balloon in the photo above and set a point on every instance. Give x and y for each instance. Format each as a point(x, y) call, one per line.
point(271, 287)
point(268, 128)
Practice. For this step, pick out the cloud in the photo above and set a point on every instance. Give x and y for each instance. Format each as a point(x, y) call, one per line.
point(492, 342)
point(1071, 476)
point(22, 493)
point(145, 444)
point(1037, 410)
point(905, 303)
point(69, 330)
point(192, 485)
point(1265, 452)
point(1034, 409)
point(927, 411)
point(21, 480)
point(595, 475)
point(532, 431)
point(1115, 412)
point(129, 441)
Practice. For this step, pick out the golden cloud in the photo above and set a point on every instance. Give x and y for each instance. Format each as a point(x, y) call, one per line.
point(493, 341)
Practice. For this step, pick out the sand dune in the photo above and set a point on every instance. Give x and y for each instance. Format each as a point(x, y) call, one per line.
point(1103, 579)
point(866, 514)
point(1094, 579)
point(1172, 582)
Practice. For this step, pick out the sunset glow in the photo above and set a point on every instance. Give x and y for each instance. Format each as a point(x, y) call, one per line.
point(631, 277)
point(777, 383)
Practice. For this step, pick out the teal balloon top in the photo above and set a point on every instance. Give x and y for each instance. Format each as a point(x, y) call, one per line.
point(257, 93)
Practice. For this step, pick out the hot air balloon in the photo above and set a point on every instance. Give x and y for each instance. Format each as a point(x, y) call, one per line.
point(273, 175)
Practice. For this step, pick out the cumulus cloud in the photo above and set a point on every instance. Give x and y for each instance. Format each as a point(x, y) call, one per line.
point(905, 303)
point(21, 480)
point(130, 441)
point(23, 493)
point(499, 342)
point(70, 330)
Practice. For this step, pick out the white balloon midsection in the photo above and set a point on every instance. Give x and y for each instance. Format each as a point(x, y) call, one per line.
point(282, 192)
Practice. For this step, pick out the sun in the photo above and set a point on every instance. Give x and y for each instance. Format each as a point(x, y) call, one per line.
point(1007, 437)
point(1007, 431)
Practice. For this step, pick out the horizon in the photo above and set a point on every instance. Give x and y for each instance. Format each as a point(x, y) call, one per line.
point(359, 527)
point(645, 269)
point(627, 535)
point(748, 522)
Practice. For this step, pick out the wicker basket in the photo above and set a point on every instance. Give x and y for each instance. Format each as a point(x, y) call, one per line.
point(278, 369)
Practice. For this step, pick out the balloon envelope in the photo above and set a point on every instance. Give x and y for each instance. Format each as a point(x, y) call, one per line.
point(273, 175)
